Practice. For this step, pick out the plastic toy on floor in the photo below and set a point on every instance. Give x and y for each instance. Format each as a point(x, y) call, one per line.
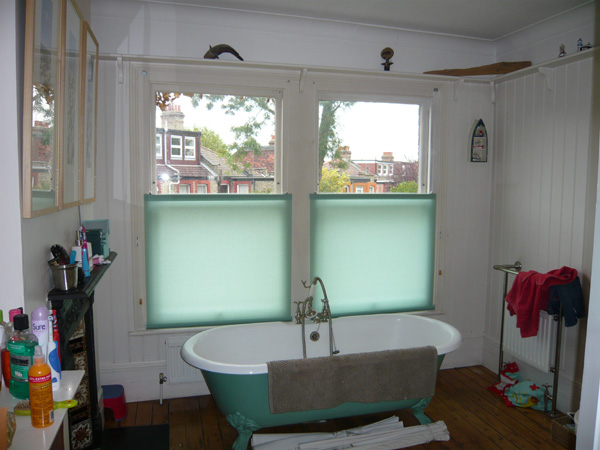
point(517, 392)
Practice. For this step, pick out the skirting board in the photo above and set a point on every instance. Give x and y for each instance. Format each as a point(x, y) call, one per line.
point(569, 388)
point(141, 381)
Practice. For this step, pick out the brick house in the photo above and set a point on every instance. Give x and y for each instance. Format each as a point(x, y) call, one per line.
point(184, 166)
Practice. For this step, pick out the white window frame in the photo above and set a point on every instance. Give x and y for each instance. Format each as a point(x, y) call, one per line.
point(185, 147)
point(159, 145)
point(298, 92)
point(359, 189)
point(245, 190)
point(179, 146)
point(201, 188)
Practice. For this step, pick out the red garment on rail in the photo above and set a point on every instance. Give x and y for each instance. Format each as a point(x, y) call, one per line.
point(529, 295)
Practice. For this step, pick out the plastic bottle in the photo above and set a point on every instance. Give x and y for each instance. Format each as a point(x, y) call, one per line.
point(40, 391)
point(53, 351)
point(2, 344)
point(21, 344)
point(4, 355)
point(40, 327)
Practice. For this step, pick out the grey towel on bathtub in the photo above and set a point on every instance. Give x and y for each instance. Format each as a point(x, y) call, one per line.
point(327, 382)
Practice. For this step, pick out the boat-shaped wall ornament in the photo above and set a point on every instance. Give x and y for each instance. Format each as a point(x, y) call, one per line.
point(479, 143)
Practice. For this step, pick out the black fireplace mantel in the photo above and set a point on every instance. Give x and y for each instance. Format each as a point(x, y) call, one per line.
point(74, 309)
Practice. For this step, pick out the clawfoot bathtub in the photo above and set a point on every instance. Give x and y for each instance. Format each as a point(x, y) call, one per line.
point(233, 360)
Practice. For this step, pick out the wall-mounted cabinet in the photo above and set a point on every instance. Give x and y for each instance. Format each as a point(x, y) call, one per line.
point(59, 108)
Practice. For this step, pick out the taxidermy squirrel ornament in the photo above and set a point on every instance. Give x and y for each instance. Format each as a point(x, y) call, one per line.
point(214, 52)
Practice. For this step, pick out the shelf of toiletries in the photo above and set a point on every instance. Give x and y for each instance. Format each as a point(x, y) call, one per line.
point(27, 437)
point(85, 290)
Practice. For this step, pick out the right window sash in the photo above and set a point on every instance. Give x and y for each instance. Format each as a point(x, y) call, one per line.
point(376, 252)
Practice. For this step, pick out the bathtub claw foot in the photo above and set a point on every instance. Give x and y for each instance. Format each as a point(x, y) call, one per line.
point(419, 410)
point(245, 427)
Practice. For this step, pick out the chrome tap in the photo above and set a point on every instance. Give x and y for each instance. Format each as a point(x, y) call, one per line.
point(308, 312)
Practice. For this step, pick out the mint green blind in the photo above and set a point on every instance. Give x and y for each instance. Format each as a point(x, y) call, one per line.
point(374, 252)
point(217, 259)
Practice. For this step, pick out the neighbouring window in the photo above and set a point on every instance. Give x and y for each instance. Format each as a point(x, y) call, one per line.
point(201, 188)
point(159, 146)
point(190, 148)
point(176, 147)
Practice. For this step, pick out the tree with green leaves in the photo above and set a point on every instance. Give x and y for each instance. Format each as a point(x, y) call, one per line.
point(333, 180)
point(405, 186)
point(329, 141)
point(262, 110)
point(211, 140)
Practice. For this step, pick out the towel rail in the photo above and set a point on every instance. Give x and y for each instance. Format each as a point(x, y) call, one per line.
point(514, 269)
point(508, 269)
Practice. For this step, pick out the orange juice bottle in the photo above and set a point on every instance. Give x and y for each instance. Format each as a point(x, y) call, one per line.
point(40, 391)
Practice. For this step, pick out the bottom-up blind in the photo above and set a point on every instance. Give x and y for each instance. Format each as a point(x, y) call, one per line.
point(217, 259)
point(374, 252)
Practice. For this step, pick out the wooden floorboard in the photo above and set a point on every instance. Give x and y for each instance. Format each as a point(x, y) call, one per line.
point(476, 419)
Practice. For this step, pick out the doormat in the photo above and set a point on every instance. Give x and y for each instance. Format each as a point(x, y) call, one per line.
point(155, 437)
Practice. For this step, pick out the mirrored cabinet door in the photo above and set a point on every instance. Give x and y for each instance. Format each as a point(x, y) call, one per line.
point(59, 108)
point(71, 107)
point(40, 108)
point(90, 90)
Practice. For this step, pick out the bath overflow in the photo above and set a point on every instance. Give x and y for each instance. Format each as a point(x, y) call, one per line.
point(314, 336)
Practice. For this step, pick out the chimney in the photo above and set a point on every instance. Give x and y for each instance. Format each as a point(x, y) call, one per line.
point(272, 140)
point(388, 157)
point(345, 153)
point(172, 118)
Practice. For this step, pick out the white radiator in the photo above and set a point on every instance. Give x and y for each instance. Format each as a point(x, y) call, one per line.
point(537, 351)
point(178, 371)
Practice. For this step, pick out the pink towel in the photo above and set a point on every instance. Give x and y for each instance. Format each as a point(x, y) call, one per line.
point(529, 295)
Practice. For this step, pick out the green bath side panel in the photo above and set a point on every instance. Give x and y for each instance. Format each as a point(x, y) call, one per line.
point(248, 395)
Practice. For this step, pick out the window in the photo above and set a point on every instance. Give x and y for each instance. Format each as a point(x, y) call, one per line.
point(176, 147)
point(218, 139)
point(184, 188)
point(190, 148)
point(158, 146)
point(398, 133)
point(338, 169)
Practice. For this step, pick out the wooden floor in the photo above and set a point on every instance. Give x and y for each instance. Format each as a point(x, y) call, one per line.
point(476, 418)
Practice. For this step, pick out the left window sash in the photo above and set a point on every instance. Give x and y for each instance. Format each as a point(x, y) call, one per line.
point(214, 259)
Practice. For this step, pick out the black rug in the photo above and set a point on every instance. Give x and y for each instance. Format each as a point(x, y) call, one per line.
point(155, 437)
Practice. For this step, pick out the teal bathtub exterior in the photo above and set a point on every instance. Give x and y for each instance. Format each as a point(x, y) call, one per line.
point(244, 400)
point(233, 360)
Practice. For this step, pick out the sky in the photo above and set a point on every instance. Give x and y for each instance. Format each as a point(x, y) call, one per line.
point(368, 129)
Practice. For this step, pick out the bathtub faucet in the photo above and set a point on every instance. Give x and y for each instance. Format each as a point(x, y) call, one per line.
point(308, 312)
point(311, 313)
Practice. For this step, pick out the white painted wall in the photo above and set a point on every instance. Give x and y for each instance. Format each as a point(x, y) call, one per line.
point(11, 267)
point(542, 42)
point(151, 29)
point(544, 194)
